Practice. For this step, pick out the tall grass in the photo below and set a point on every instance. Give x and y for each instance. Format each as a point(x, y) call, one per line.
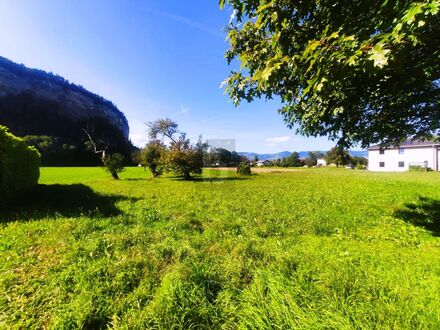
point(313, 249)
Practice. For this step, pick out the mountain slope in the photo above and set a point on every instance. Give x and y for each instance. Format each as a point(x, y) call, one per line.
point(34, 102)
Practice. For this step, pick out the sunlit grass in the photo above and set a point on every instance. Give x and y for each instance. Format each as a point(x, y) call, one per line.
point(319, 248)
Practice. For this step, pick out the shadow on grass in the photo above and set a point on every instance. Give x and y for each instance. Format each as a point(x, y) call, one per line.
point(46, 201)
point(425, 213)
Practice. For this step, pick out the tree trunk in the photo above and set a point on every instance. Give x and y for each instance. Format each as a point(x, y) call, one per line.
point(114, 175)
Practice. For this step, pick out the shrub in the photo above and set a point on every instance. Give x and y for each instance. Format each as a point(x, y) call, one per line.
point(310, 162)
point(244, 168)
point(19, 165)
point(418, 168)
point(114, 164)
point(151, 156)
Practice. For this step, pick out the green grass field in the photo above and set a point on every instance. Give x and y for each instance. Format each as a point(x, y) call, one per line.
point(312, 249)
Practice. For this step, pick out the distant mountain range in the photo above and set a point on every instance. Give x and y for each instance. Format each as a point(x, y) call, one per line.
point(302, 154)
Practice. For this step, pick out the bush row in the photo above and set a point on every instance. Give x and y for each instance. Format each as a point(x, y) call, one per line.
point(19, 165)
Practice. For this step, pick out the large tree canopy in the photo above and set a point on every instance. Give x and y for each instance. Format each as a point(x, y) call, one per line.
point(356, 71)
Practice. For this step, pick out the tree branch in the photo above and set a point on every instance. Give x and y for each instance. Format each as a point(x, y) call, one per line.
point(95, 148)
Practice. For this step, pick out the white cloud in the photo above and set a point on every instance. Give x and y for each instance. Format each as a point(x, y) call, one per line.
point(139, 140)
point(276, 140)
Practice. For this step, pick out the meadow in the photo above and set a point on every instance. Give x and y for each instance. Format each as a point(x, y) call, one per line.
point(309, 249)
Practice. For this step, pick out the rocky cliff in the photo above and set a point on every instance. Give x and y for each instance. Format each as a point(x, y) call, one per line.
point(35, 102)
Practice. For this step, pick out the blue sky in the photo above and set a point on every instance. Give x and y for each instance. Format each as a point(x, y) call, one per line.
point(152, 59)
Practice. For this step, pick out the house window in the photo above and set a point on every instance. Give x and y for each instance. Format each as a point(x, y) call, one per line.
point(401, 164)
point(381, 151)
point(381, 164)
point(401, 151)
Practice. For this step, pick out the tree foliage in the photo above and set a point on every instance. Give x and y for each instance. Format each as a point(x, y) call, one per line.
point(355, 71)
point(151, 157)
point(338, 156)
point(310, 161)
point(290, 161)
point(56, 151)
point(244, 168)
point(181, 157)
point(360, 162)
point(184, 159)
point(222, 157)
point(19, 165)
point(114, 164)
point(164, 127)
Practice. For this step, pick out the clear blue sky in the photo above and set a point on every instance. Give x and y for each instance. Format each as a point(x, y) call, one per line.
point(153, 59)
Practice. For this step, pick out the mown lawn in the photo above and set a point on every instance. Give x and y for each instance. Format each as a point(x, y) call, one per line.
point(312, 249)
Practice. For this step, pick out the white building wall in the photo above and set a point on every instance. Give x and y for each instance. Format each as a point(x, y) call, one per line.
point(437, 161)
point(411, 156)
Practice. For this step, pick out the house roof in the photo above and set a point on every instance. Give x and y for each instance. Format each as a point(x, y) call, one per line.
point(408, 143)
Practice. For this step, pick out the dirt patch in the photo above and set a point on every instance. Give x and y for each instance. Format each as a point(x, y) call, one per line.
point(260, 169)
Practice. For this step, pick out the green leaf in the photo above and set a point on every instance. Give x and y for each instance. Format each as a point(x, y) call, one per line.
point(311, 46)
point(310, 84)
point(379, 55)
point(321, 84)
point(352, 60)
point(410, 15)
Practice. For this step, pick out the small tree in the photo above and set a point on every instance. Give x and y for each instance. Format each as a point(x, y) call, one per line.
point(182, 158)
point(244, 168)
point(151, 157)
point(114, 164)
point(236, 158)
point(358, 162)
point(291, 161)
point(338, 156)
point(310, 162)
point(312, 159)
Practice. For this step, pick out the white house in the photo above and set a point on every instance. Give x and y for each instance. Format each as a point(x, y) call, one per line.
point(262, 163)
point(321, 162)
point(409, 153)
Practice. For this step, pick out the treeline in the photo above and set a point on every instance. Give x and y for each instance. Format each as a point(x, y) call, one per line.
point(58, 151)
point(294, 161)
point(337, 156)
point(29, 114)
point(219, 157)
point(62, 142)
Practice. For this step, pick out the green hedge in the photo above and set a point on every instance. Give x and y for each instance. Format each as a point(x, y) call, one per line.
point(19, 165)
